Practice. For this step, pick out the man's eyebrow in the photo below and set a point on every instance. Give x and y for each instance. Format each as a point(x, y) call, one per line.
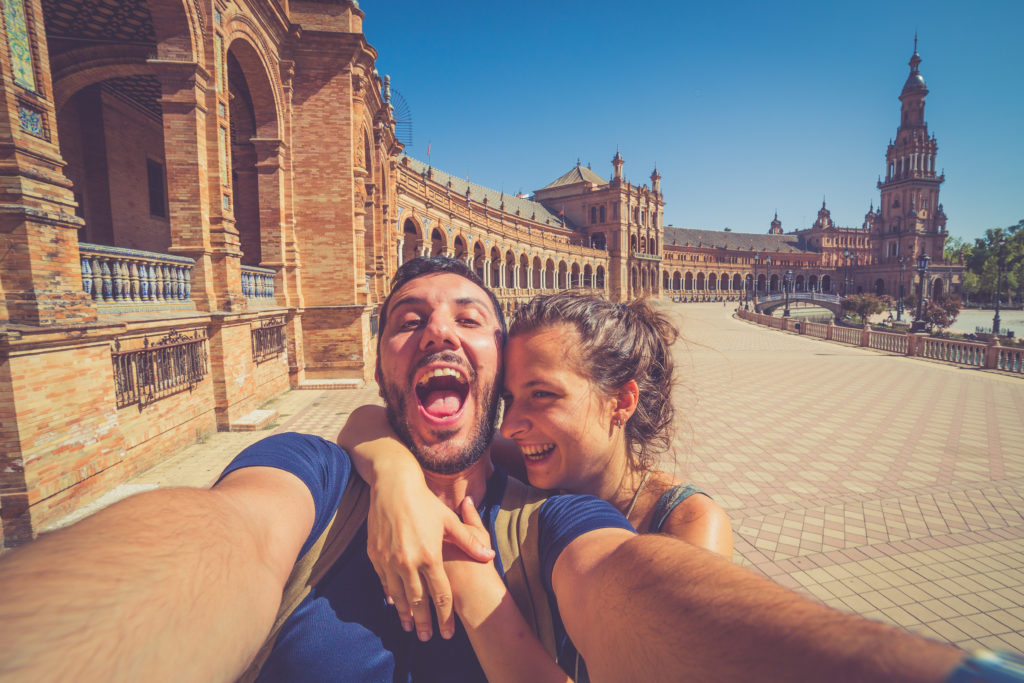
point(471, 301)
point(409, 301)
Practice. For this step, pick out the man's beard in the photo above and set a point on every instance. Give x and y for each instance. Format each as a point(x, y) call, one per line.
point(445, 456)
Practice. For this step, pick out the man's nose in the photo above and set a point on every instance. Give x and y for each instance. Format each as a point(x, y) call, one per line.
point(439, 333)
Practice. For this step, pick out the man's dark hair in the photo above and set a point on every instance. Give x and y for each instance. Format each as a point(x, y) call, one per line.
point(419, 267)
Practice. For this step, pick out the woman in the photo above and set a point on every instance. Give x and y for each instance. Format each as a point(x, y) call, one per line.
point(588, 403)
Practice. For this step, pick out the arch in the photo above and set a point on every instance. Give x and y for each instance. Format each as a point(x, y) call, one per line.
point(597, 241)
point(737, 282)
point(879, 286)
point(723, 282)
point(510, 269)
point(602, 214)
point(459, 248)
point(774, 286)
point(495, 268)
point(412, 239)
point(563, 276)
point(798, 283)
point(826, 284)
point(643, 245)
point(538, 273)
point(665, 280)
point(644, 285)
point(632, 243)
point(700, 282)
point(676, 277)
point(479, 261)
point(689, 282)
point(653, 244)
point(438, 243)
point(748, 284)
point(549, 275)
point(574, 276)
point(712, 282)
point(263, 88)
point(588, 276)
point(599, 278)
point(524, 271)
point(634, 282)
point(812, 283)
point(938, 286)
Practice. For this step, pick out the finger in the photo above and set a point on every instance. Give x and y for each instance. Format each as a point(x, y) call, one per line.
point(470, 515)
point(441, 593)
point(461, 534)
point(396, 589)
point(384, 585)
point(419, 605)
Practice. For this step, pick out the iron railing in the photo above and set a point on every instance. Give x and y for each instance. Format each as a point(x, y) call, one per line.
point(174, 363)
point(268, 339)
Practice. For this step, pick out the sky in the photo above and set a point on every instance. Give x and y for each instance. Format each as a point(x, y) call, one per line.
point(746, 108)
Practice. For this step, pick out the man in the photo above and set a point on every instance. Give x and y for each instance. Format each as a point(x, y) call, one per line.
point(185, 584)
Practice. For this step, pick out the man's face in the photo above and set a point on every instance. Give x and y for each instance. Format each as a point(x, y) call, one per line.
point(440, 359)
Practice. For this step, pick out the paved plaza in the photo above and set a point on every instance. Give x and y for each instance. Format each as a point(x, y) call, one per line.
point(881, 485)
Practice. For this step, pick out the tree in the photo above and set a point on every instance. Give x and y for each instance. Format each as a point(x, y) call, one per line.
point(940, 312)
point(865, 305)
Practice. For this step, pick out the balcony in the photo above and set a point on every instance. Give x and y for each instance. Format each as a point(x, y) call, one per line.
point(122, 280)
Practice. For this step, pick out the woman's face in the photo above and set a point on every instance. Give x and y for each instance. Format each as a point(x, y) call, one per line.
point(559, 419)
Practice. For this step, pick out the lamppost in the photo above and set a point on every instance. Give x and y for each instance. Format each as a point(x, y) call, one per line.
point(787, 281)
point(757, 257)
point(847, 255)
point(899, 304)
point(999, 283)
point(746, 295)
point(922, 271)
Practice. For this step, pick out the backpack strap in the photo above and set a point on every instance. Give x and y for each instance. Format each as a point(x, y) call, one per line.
point(316, 562)
point(516, 530)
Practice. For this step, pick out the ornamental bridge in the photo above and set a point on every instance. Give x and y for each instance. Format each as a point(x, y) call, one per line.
point(768, 303)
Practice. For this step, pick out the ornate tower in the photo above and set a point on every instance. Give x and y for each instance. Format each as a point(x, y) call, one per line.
point(910, 219)
point(776, 228)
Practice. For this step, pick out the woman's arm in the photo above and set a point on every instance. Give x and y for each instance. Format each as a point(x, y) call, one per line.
point(507, 648)
point(406, 524)
point(701, 521)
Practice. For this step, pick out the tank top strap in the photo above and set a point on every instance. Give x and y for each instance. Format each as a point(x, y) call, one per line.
point(668, 502)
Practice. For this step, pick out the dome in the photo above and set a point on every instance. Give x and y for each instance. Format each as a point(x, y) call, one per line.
point(914, 82)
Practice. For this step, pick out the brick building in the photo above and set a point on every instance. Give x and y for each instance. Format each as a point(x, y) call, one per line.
point(880, 256)
point(202, 203)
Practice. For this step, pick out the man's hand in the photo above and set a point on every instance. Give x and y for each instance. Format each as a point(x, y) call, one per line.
point(406, 528)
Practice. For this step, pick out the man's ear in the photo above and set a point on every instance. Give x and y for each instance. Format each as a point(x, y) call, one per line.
point(626, 399)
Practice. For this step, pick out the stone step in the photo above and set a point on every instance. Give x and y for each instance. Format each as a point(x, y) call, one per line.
point(256, 420)
point(332, 384)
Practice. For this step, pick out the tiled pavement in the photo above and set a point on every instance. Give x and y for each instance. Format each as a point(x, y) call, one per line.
point(881, 485)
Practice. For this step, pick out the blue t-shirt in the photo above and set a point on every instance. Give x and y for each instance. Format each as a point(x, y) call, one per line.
point(344, 630)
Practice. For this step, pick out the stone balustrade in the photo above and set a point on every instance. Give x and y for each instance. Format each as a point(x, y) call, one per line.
point(119, 277)
point(990, 356)
point(258, 284)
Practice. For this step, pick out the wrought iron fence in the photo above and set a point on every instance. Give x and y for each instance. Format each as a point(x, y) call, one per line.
point(268, 339)
point(174, 363)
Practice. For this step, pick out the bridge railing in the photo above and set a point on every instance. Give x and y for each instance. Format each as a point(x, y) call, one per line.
point(972, 354)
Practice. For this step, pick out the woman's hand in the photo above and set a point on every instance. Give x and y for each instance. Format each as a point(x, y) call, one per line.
point(406, 528)
point(478, 588)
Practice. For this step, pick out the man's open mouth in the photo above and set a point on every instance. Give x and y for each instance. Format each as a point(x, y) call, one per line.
point(442, 392)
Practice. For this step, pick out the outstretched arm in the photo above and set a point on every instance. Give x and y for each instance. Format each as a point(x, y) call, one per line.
point(407, 524)
point(179, 584)
point(682, 610)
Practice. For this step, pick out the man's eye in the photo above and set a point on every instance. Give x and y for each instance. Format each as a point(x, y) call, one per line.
point(507, 398)
point(469, 322)
point(410, 324)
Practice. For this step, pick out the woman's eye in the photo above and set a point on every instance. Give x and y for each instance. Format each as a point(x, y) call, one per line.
point(542, 394)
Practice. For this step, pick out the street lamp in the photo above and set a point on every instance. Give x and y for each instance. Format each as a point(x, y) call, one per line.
point(899, 304)
point(922, 271)
point(999, 283)
point(787, 281)
point(848, 255)
point(757, 257)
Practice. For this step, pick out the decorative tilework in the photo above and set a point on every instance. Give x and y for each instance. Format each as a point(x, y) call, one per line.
point(218, 56)
point(217, 16)
point(31, 121)
point(222, 111)
point(21, 47)
point(225, 157)
point(226, 202)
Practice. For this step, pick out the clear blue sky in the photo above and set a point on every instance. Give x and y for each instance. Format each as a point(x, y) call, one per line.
point(746, 107)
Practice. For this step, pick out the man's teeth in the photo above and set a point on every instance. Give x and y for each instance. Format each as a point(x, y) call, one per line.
point(442, 372)
point(537, 451)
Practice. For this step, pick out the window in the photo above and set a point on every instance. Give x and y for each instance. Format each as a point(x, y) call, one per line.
point(593, 214)
point(603, 217)
point(157, 196)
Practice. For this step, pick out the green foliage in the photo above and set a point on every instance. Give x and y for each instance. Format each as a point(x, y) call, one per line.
point(1000, 249)
point(865, 305)
point(940, 312)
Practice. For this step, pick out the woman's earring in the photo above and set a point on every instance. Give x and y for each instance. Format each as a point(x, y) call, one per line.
point(618, 422)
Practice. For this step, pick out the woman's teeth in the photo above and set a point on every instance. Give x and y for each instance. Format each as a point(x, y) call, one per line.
point(537, 452)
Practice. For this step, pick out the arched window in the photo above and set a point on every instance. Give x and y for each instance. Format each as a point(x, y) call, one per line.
point(593, 214)
point(603, 215)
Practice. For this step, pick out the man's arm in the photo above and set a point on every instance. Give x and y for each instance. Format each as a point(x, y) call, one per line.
point(179, 584)
point(682, 611)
